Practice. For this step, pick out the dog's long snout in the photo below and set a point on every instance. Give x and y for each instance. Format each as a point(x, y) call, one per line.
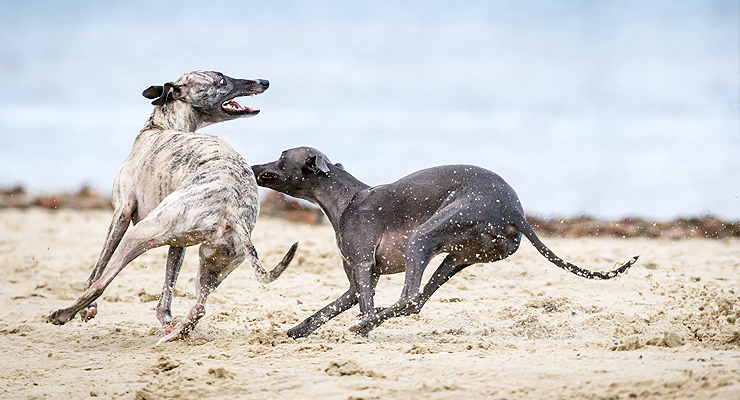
point(264, 82)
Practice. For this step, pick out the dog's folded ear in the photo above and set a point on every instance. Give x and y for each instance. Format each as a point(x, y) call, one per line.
point(152, 92)
point(316, 164)
point(161, 94)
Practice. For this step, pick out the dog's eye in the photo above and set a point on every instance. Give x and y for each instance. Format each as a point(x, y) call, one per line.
point(222, 82)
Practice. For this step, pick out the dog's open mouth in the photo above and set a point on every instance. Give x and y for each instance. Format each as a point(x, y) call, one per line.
point(233, 108)
point(267, 176)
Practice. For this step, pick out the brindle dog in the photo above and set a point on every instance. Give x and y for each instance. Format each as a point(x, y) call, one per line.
point(179, 188)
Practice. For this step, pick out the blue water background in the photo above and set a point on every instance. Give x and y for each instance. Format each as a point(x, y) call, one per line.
point(608, 109)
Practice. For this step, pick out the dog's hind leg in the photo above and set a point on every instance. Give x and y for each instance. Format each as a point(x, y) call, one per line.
point(175, 258)
point(118, 226)
point(146, 235)
point(451, 265)
point(218, 257)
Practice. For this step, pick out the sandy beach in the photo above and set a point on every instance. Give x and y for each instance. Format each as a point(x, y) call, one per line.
point(516, 329)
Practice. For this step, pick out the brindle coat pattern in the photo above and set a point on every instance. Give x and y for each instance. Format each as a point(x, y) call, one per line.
point(179, 188)
point(468, 212)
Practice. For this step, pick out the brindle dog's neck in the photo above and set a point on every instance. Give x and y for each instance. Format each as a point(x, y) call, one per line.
point(174, 115)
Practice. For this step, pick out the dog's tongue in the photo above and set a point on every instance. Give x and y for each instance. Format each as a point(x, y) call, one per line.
point(233, 105)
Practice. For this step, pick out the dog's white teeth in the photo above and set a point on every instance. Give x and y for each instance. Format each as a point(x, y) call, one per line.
point(232, 105)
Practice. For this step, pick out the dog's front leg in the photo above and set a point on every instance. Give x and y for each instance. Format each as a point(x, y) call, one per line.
point(364, 282)
point(336, 307)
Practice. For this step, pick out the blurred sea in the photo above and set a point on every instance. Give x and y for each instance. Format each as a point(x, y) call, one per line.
point(608, 109)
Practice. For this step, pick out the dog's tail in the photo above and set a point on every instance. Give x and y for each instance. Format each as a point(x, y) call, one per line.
point(523, 226)
point(266, 277)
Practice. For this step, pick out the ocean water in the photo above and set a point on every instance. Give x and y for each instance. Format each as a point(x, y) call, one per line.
point(598, 108)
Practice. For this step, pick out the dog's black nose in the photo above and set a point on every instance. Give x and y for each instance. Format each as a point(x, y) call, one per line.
point(265, 83)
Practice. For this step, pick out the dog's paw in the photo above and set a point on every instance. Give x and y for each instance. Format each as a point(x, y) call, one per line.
point(168, 337)
point(361, 328)
point(297, 333)
point(169, 328)
point(58, 317)
point(88, 313)
point(175, 330)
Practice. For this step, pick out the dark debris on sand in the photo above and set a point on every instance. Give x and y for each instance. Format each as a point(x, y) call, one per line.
point(83, 199)
point(681, 228)
point(278, 205)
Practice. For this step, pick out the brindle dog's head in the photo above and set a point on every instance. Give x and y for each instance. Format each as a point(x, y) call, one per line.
point(212, 95)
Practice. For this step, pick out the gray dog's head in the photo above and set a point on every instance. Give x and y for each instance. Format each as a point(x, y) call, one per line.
point(212, 95)
point(297, 172)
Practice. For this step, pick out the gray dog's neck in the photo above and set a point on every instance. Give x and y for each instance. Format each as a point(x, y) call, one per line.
point(335, 196)
point(174, 115)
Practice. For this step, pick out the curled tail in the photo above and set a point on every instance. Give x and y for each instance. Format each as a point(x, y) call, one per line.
point(266, 277)
point(523, 226)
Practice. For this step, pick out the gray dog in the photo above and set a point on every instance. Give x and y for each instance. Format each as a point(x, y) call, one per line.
point(467, 212)
point(180, 189)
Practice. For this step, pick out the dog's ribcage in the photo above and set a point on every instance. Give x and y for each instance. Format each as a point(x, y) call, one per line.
point(211, 169)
